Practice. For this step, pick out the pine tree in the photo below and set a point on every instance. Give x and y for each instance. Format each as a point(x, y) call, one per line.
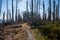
point(49, 12)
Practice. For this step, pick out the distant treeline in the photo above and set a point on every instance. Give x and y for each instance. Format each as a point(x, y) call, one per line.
point(34, 14)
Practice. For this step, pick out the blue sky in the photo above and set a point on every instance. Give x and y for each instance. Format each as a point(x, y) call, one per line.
point(22, 6)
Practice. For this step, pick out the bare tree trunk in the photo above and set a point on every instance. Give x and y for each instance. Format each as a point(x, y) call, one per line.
point(7, 10)
point(27, 5)
point(0, 6)
point(49, 12)
point(57, 11)
point(16, 11)
point(4, 17)
point(32, 11)
point(37, 6)
point(39, 11)
point(43, 11)
point(12, 12)
point(27, 11)
point(54, 11)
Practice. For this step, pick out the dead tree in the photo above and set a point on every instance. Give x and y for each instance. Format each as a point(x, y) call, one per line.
point(37, 6)
point(0, 6)
point(16, 11)
point(4, 17)
point(45, 16)
point(57, 11)
point(31, 7)
point(16, 15)
point(27, 5)
point(7, 9)
point(32, 10)
point(54, 11)
point(49, 12)
point(39, 17)
point(12, 12)
point(9, 15)
point(24, 16)
point(43, 11)
point(39, 11)
point(19, 16)
point(27, 12)
point(58, 8)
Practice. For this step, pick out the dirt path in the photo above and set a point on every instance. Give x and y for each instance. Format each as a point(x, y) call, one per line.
point(30, 35)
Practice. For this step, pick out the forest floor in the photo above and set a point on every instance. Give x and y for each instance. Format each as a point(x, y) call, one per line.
point(24, 32)
point(18, 32)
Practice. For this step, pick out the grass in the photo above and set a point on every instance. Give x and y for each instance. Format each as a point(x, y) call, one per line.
point(48, 31)
point(38, 35)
